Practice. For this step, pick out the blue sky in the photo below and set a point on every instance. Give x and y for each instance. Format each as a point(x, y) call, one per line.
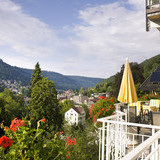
point(75, 37)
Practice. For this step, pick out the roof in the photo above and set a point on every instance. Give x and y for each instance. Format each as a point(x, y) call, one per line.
point(78, 109)
point(158, 69)
point(69, 91)
point(152, 83)
point(62, 98)
point(155, 77)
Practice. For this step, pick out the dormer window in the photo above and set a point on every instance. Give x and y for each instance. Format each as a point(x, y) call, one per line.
point(155, 83)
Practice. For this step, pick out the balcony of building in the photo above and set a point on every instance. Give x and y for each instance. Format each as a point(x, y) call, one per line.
point(123, 140)
point(152, 14)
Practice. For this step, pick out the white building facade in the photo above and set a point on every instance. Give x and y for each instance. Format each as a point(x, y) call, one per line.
point(75, 115)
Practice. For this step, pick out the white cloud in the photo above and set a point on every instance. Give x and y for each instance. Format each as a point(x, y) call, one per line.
point(97, 46)
point(113, 32)
point(137, 3)
point(23, 33)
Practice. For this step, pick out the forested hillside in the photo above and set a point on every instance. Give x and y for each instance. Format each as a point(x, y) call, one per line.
point(140, 73)
point(8, 72)
point(149, 65)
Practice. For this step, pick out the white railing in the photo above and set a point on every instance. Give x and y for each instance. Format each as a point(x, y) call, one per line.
point(150, 146)
point(117, 137)
point(108, 143)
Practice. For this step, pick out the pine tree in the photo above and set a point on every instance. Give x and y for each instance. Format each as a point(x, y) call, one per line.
point(36, 76)
point(44, 102)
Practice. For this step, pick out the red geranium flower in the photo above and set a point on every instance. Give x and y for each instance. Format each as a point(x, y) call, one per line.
point(110, 106)
point(102, 97)
point(111, 100)
point(58, 133)
point(15, 124)
point(70, 141)
point(94, 119)
point(43, 120)
point(5, 142)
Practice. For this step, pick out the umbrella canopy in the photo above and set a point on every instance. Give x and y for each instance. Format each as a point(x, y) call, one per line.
point(127, 93)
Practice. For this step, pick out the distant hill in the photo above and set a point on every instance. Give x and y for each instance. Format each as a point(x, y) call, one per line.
point(9, 72)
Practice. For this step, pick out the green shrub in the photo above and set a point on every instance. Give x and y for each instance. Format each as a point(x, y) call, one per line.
point(21, 142)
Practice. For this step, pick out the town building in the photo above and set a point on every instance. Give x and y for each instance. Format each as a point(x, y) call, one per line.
point(75, 115)
point(69, 94)
point(80, 99)
point(152, 83)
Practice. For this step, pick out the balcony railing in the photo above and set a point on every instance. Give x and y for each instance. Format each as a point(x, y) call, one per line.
point(150, 146)
point(117, 138)
point(152, 14)
point(152, 2)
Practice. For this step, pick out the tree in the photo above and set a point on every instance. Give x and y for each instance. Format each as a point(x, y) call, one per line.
point(14, 105)
point(44, 103)
point(24, 92)
point(66, 105)
point(81, 90)
point(85, 107)
point(3, 113)
point(36, 76)
point(137, 71)
point(2, 87)
point(76, 91)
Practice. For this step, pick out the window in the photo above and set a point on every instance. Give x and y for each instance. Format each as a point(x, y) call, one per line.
point(155, 82)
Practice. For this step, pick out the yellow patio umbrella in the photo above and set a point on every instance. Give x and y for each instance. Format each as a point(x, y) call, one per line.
point(127, 92)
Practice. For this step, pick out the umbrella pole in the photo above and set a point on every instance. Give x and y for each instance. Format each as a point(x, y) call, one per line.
point(128, 112)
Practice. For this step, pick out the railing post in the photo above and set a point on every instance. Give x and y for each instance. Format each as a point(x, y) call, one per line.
point(156, 153)
point(121, 138)
point(153, 145)
point(100, 143)
point(116, 137)
point(103, 140)
point(107, 142)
